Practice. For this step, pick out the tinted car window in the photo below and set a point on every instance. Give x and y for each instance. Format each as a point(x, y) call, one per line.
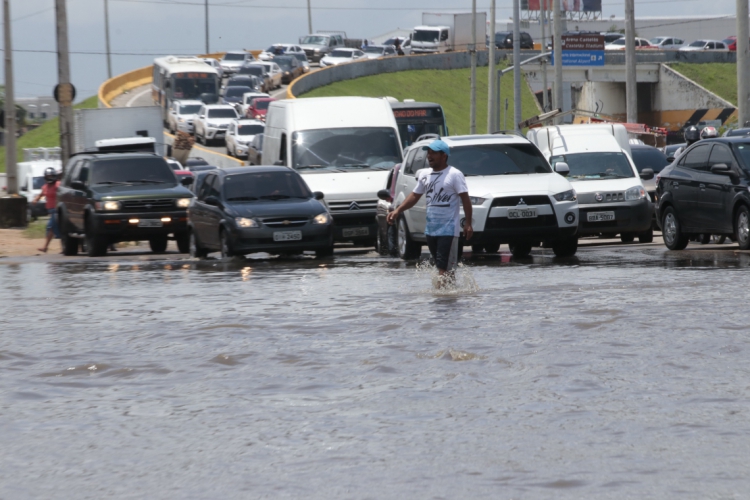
point(697, 157)
point(721, 154)
point(743, 153)
point(264, 186)
point(205, 186)
point(214, 187)
point(415, 161)
point(499, 159)
point(649, 158)
point(222, 113)
point(593, 166)
point(250, 129)
point(150, 170)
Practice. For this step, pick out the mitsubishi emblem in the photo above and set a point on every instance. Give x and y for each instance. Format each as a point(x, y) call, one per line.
point(521, 202)
point(353, 206)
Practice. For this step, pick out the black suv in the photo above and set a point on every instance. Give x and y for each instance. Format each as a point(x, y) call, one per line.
point(106, 198)
point(504, 40)
point(706, 192)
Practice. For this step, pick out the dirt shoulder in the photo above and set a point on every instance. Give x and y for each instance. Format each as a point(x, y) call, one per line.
point(13, 243)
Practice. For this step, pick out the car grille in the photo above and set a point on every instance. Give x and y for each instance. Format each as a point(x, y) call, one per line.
point(349, 219)
point(148, 205)
point(590, 198)
point(512, 201)
point(352, 205)
point(281, 222)
point(309, 52)
point(505, 223)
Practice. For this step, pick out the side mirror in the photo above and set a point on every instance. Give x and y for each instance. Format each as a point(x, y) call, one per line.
point(279, 163)
point(670, 159)
point(562, 168)
point(212, 200)
point(187, 180)
point(318, 195)
point(78, 185)
point(647, 174)
point(201, 116)
point(720, 168)
point(384, 195)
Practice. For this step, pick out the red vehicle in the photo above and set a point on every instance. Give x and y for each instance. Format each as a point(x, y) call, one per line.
point(182, 175)
point(259, 107)
point(731, 43)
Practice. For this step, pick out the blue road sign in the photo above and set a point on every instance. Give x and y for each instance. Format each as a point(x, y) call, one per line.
point(581, 58)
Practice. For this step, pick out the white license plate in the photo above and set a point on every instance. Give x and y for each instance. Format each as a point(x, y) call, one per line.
point(355, 231)
point(150, 223)
point(600, 216)
point(287, 235)
point(522, 213)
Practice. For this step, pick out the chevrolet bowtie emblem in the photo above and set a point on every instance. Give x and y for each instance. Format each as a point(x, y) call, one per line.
point(353, 206)
point(286, 222)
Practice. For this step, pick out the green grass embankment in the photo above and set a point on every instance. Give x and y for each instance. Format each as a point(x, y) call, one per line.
point(46, 135)
point(719, 78)
point(449, 88)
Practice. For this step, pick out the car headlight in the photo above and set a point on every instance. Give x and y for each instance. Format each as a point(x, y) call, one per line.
point(244, 222)
point(317, 51)
point(635, 193)
point(323, 218)
point(286, 73)
point(566, 195)
point(475, 200)
point(181, 120)
point(107, 205)
point(183, 202)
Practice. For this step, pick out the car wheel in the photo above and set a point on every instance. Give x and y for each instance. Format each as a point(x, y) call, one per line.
point(158, 244)
point(324, 252)
point(477, 248)
point(392, 234)
point(742, 228)
point(674, 238)
point(627, 237)
point(196, 251)
point(96, 246)
point(491, 247)
point(226, 246)
point(183, 242)
point(407, 248)
point(520, 250)
point(381, 244)
point(69, 244)
point(718, 239)
point(704, 239)
point(646, 236)
point(566, 248)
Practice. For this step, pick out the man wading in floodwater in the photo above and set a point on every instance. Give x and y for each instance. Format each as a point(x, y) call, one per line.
point(442, 186)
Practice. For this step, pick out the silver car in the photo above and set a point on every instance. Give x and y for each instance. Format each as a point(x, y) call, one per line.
point(233, 60)
point(182, 114)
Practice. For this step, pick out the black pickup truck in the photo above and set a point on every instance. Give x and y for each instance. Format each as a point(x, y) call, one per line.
point(106, 198)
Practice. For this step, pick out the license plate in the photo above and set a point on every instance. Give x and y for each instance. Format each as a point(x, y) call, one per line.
point(150, 223)
point(600, 216)
point(522, 213)
point(355, 231)
point(287, 235)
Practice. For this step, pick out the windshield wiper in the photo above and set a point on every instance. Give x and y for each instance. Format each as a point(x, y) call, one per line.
point(312, 166)
point(513, 173)
point(275, 197)
point(110, 183)
point(149, 181)
point(243, 198)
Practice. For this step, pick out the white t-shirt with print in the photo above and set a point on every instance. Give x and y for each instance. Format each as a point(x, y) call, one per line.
point(441, 190)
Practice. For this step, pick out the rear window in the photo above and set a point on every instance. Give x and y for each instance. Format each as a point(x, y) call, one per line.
point(498, 159)
point(132, 171)
point(237, 91)
point(222, 113)
point(341, 53)
point(250, 129)
point(265, 186)
point(649, 158)
point(595, 165)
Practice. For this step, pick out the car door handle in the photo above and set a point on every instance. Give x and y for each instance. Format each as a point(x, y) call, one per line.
point(702, 187)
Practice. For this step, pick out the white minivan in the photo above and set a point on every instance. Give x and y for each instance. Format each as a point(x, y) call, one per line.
point(31, 180)
point(343, 147)
point(611, 196)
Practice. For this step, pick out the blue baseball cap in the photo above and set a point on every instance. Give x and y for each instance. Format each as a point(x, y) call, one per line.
point(438, 146)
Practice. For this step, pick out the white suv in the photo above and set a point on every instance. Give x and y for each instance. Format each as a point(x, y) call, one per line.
point(181, 116)
point(517, 199)
point(213, 121)
point(240, 134)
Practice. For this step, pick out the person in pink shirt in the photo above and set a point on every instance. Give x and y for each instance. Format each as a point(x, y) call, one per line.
point(49, 192)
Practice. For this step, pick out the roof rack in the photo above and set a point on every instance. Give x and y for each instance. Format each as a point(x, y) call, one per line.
point(508, 132)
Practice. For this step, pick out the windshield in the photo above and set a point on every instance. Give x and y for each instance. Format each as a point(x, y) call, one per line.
point(657, 40)
point(300, 56)
point(373, 50)
point(222, 113)
point(38, 182)
point(619, 41)
point(649, 158)
point(743, 152)
point(376, 147)
point(261, 104)
point(237, 91)
point(342, 53)
point(498, 159)
point(426, 36)
point(189, 109)
point(250, 129)
point(594, 166)
point(265, 186)
point(698, 43)
point(132, 170)
point(499, 37)
point(251, 70)
point(284, 62)
point(315, 40)
point(234, 57)
point(411, 131)
point(192, 88)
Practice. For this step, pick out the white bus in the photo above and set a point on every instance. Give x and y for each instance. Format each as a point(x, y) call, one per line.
point(177, 78)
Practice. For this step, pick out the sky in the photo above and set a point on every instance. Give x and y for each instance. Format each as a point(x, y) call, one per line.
point(142, 29)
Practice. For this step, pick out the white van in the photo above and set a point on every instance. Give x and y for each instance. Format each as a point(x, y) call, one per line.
point(344, 147)
point(611, 197)
point(31, 180)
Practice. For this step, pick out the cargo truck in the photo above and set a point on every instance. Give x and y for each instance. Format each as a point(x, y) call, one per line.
point(447, 32)
point(131, 129)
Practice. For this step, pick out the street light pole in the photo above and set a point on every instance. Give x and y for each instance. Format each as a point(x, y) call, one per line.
point(106, 36)
point(473, 52)
point(208, 47)
point(10, 106)
point(516, 64)
point(309, 18)
point(64, 87)
point(545, 97)
point(491, 73)
point(631, 84)
point(743, 63)
point(558, 100)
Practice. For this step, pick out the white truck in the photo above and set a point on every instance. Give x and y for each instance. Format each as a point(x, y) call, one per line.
point(344, 147)
point(134, 129)
point(31, 176)
point(447, 33)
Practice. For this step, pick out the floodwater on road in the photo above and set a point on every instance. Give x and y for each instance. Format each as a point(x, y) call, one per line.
point(622, 373)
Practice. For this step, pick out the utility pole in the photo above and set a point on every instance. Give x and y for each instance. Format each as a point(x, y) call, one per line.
point(64, 87)
point(106, 36)
point(545, 97)
point(516, 64)
point(631, 85)
point(208, 47)
point(10, 106)
point(473, 52)
point(557, 42)
point(491, 73)
point(743, 63)
point(309, 18)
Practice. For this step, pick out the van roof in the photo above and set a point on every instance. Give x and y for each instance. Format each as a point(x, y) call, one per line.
point(314, 113)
